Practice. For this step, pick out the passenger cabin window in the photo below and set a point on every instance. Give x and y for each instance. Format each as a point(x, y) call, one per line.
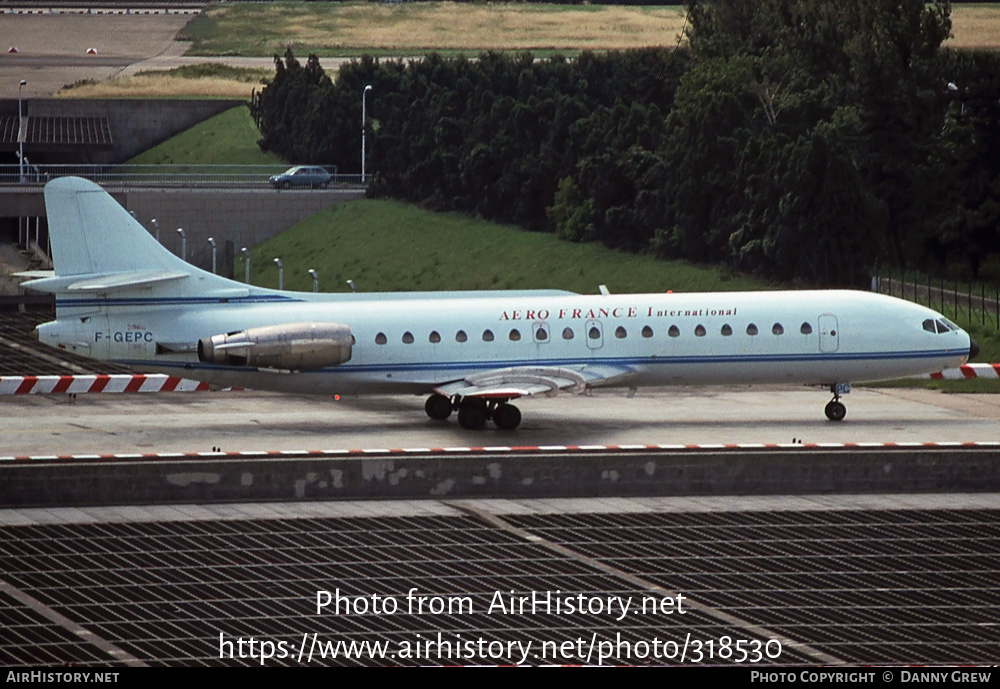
point(620, 333)
point(460, 336)
point(647, 331)
point(594, 333)
point(806, 329)
point(726, 330)
point(674, 331)
point(752, 329)
point(515, 335)
point(567, 333)
point(380, 338)
point(407, 338)
point(699, 330)
point(487, 336)
point(777, 329)
point(541, 334)
point(434, 336)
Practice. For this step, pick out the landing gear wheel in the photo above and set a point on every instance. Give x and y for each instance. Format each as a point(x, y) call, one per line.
point(836, 411)
point(472, 414)
point(438, 407)
point(507, 417)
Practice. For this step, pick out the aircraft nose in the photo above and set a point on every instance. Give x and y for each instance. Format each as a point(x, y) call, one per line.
point(973, 348)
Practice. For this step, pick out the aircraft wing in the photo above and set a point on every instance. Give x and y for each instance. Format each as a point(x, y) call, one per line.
point(522, 381)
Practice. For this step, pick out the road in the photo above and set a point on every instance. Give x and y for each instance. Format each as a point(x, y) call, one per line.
point(47, 65)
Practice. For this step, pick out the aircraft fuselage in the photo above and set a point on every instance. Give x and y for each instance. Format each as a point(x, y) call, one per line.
point(812, 337)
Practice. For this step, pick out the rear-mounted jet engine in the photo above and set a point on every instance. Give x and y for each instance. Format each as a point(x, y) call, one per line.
point(291, 347)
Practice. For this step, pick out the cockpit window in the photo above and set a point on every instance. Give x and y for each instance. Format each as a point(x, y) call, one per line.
point(940, 325)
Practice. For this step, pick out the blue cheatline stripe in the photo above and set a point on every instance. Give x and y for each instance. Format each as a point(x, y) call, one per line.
point(173, 301)
point(607, 361)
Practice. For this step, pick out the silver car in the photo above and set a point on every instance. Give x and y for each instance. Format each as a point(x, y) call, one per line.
point(301, 176)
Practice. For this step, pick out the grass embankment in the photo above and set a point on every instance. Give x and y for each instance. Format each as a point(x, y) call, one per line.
point(353, 28)
point(207, 80)
point(391, 246)
point(229, 138)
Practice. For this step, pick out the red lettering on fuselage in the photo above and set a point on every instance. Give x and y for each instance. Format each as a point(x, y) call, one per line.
point(610, 312)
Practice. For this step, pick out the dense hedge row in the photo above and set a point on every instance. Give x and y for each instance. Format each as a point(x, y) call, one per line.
point(796, 138)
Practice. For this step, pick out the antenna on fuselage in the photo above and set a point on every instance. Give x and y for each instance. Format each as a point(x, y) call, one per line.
point(603, 289)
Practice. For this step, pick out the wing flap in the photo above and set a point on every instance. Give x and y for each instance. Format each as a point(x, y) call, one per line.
point(523, 381)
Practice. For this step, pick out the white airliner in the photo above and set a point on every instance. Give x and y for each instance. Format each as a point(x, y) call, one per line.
point(121, 296)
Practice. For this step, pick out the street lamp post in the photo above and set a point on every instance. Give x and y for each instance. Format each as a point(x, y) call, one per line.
point(315, 278)
point(211, 242)
point(20, 132)
point(364, 126)
point(246, 264)
point(184, 244)
point(281, 273)
point(156, 229)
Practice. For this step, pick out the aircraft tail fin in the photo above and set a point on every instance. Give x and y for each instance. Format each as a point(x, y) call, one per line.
point(92, 234)
point(99, 248)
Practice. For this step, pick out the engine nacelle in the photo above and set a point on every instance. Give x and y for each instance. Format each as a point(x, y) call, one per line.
point(292, 346)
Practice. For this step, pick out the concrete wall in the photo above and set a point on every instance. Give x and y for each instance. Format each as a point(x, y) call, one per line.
point(241, 217)
point(237, 218)
point(484, 474)
point(136, 125)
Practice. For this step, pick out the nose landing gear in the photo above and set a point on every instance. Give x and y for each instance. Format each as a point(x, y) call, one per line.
point(835, 409)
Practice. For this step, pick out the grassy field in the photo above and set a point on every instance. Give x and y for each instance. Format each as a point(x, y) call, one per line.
point(975, 26)
point(350, 29)
point(229, 138)
point(208, 80)
point(353, 28)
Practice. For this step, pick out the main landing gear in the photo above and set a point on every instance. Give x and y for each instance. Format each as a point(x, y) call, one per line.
point(473, 413)
point(835, 409)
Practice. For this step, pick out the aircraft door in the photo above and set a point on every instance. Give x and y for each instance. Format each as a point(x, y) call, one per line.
point(829, 333)
point(595, 334)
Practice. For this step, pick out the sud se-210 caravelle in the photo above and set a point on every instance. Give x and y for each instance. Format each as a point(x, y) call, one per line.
point(120, 296)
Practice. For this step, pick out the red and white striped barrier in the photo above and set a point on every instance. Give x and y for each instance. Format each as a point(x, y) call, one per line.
point(49, 385)
point(83, 384)
point(965, 372)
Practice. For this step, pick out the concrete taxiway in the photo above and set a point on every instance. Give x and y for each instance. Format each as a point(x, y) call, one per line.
point(254, 421)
